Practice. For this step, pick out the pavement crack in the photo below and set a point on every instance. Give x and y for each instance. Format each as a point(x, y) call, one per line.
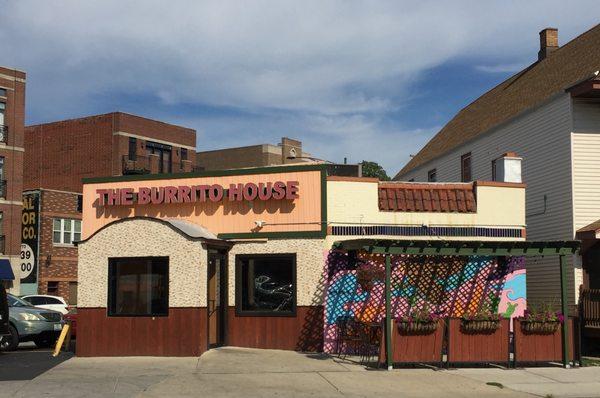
point(330, 383)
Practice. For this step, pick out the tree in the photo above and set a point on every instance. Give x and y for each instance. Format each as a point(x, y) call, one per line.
point(373, 169)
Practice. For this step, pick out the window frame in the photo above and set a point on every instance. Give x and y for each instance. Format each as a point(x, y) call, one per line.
point(463, 176)
point(62, 231)
point(238, 284)
point(432, 172)
point(55, 285)
point(112, 261)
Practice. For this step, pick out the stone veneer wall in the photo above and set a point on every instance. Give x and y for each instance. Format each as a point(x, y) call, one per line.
point(309, 263)
point(141, 238)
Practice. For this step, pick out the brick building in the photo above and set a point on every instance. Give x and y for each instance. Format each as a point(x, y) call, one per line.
point(287, 152)
point(62, 153)
point(12, 120)
point(59, 215)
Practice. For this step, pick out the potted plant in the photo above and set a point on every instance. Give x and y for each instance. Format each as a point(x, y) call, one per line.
point(544, 321)
point(482, 321)
point(367, 273)
point(418, 321)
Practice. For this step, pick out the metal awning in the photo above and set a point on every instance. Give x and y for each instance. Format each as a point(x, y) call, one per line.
point(389, 247)
point(6, 272)
point(459, 247)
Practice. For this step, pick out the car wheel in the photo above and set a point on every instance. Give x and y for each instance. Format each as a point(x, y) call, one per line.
point(43, 342)
point(10, 343)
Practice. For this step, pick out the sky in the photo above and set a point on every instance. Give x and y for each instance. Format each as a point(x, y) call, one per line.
point(371, 80)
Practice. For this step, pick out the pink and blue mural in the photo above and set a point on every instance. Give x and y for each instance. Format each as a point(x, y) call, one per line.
point(446, 285)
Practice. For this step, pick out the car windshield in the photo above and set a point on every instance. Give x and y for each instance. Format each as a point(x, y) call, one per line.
point(17, 302)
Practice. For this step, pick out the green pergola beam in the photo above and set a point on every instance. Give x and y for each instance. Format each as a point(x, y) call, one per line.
point(462, 248)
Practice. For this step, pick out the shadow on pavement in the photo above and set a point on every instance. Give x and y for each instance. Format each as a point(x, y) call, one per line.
point(28, 362)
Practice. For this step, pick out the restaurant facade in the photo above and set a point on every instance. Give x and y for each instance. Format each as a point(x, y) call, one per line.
point(172, 265)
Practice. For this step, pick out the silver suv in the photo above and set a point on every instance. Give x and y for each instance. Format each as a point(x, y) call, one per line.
point(28, 323)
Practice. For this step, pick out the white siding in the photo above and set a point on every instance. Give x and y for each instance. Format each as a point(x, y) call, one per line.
point(586, 178)
point(542, 137)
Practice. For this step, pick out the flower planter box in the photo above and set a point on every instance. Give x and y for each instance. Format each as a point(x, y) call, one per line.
point(543, 347)
point(410, 348)
point(486, 345)
point(410, 328)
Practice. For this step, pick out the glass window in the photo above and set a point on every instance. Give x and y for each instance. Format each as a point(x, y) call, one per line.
point(65, 231)
point(432, 175)
point(184, 154)
point(52, 300)
point(35, 300)
point(138, 286)
point(2, 92)
point(52, 288)
point(266, 284)
point(465, 167)
point(132, 148)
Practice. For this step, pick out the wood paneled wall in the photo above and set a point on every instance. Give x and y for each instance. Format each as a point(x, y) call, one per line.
point(304, 332)
point(182, 333)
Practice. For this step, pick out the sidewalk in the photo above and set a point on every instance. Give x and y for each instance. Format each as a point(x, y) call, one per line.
point(232, 372)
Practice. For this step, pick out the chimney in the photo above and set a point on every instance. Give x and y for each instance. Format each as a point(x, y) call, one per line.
point(291, 150)
point(548, 42)
point(507, 168)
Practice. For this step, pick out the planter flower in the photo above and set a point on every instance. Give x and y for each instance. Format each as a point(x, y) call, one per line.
point(480, 322)
point(367, 274)
point(420, 321)
point(541, 322)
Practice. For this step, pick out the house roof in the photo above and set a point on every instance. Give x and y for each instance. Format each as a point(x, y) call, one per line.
point(593, 227)
point(570, 64)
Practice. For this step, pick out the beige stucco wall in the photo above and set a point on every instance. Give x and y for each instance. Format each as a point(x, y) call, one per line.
point(351, 203)
point(309, 263)
point(141, 238)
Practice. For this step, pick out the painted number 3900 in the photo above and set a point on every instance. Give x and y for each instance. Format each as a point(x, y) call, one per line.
point(27, 260)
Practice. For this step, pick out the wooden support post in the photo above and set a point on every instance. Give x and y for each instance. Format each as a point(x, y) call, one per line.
point(565, 310)
point(388, 311)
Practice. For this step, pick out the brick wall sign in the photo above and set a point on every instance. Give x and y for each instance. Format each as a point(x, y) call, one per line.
point(263, 191)
point(29, 237)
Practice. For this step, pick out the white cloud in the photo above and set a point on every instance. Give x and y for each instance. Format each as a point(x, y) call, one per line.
point(329, 72)
point(500, 68)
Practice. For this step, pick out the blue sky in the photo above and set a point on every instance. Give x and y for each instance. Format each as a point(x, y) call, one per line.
point(363, 80)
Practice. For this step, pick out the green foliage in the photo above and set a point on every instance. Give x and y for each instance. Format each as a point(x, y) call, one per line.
point(374, 170)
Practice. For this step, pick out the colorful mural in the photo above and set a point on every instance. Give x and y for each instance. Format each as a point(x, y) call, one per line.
point(446, 285)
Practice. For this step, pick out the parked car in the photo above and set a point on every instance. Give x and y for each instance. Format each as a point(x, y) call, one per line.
point(71, 317)
point(29, 323)
point(54, 303)
point(4, 331)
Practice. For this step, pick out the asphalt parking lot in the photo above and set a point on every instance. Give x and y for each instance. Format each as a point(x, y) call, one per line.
point(28, 362)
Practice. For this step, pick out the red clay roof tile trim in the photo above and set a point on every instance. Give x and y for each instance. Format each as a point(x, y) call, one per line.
point(441, 198)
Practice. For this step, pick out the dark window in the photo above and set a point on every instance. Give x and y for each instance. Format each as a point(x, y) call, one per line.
point(51, 300)
point(266, 284)
point(2, 92)
point(432, 175)
point(184, 154)
point(494, 175)
point(53, 288)
point(411, 180)
point(465, 167)
point(132, 148)
point(79, 203)
point(36, 300)
point(138, 286)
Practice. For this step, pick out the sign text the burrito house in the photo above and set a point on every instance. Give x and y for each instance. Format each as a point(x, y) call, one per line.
point(263, 191)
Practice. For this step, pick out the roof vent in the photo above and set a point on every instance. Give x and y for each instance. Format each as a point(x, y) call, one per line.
point(548, 42)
